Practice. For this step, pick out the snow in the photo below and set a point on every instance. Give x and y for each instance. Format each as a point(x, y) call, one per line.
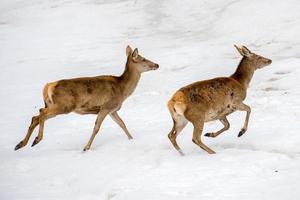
point(43, 41)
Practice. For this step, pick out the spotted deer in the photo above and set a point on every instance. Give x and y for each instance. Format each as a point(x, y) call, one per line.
point(100, 95)
point(214, 99)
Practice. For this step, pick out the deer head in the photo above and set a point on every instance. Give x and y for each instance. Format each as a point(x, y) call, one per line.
point(257, 61)
point(138, 62)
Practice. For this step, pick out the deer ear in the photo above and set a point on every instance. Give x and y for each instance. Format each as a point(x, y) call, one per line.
point(128, 50)
point(246, 50)
point(243, 51)
point(135, 53)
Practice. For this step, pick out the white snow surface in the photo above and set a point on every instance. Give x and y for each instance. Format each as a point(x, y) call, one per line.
point(48, 40)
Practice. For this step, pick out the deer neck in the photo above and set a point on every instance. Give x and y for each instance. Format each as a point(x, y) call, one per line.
point(129, 79)
point(244, 72)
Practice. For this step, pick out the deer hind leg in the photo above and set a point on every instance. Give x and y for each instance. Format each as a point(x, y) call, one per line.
point(198, 128)
point(100, 117)
point(34, 123)
point(45, 113)
point(120, 122)
point(225, 128)
point(179, 122)
point(244, 107)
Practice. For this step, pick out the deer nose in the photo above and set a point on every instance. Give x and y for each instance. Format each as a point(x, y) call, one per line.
point(270, 61)
point(156, 66)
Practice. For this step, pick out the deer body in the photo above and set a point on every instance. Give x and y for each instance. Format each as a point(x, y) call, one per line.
point(213, 99)
point(88, 95)
point(100, 95)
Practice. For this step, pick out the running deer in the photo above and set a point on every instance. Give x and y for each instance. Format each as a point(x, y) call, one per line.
point(214, 99)
point(100, 95)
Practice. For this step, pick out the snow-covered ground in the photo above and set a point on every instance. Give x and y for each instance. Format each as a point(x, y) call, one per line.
point(47, 40)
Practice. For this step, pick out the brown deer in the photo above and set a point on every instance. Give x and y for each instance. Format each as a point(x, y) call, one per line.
point(100, 95)
point(214, 99)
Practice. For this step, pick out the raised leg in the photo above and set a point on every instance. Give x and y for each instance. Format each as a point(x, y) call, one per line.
point(244, 107)
point(101, 115)
point(179, 122)
point(34, 123)
point(225, 128)
point(45, 113)
point(120, 122)
point(198, 128)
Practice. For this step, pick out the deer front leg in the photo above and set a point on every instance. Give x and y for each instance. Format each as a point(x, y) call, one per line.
point(101, 115)
point(244, 107)
point(225, 128)
point(120, 122)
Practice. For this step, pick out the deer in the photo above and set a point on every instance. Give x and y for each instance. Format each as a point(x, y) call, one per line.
point(99, 95)
point(214, 99)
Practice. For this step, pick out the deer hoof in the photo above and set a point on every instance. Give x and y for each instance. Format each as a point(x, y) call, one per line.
point(20, 145)
point(36, 141)
point(241, 132)
point(211, 152)
point(86, 148)
point(180, 152)
point(209, 134)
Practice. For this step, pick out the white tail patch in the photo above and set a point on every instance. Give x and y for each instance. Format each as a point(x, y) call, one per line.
point(48, 92)
point(179, 108)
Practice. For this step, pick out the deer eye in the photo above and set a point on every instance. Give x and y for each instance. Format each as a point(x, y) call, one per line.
point(143, 59)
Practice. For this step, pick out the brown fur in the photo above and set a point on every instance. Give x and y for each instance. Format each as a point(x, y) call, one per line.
point(101, 95)
point(213, 99)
